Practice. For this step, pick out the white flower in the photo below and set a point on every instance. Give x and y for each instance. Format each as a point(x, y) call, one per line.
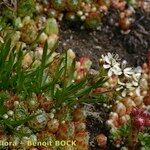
point(121, 83)
point(114, 70)
point(122, 87)
point(137, 74)
point(110, 60)
point(135, 83)
point(125, 88)
point(110, 63)
point(130, 86)
point(124, 64)
point(127, 71)
point(124, 93)
point(138, 91)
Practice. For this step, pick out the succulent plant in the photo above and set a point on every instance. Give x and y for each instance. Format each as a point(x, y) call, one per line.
point(80, 126)
point(66, 131)
point(33, 103)
point(29, 32)
point(59, 4)
point(73, 5)
point(140, 118)
point(101, 140)
point(51, 27)
point(26, 8)
point(53, 125)
point(82, 140)
point(40, 121)
point(79, 115)
point(93, 20)
point(3, 139)
point(48, 138)
point(45, 101)
point(21, 111)
point(42, 92)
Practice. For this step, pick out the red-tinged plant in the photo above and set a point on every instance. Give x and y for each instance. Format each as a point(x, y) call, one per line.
point(79, 126)
point(101, 140)
point(66, 131)
point(146, 68)
point(93, 20)
point(9, 103)
point(45, 103)
point(46, 136)
point(140, 120)
point(83, 67)
point(82, 140)
point(53, 125)
point(79, 115)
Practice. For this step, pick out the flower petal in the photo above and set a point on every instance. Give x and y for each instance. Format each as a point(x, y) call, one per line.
point(110, 73)
point(124, 93)
point(107, 60)
point(106, 66)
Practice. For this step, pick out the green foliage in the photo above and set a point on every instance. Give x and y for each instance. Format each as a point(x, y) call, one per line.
point(11, 125)
point(71, 92)
point(144, 139)
point(3, 97)
point(129, 2)
point(25, 8)
point(13, 77)
point(62, 87)
point(51, 27)
point(35, 80)
point(10, 10)
point(124, 131)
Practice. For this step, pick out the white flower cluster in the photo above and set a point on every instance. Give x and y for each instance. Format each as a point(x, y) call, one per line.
point(128, 77)
point(111, 64)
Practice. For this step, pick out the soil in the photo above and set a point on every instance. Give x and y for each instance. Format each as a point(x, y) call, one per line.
point(132, 47)
point(108, 38)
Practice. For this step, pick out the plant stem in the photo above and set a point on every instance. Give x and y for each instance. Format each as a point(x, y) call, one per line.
point(133, 138)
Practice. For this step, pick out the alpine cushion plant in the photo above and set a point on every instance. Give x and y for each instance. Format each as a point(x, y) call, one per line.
point(89, 13)
point(140, 120)
point(33, 99)
point(129, 116)
point(144, 139)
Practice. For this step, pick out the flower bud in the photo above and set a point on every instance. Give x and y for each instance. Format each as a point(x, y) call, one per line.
point(71, 54)
point(43, 37)
point(52, 41)
point(51, 27)
point(101, 140)
point(27, 60)
point(5, 116)
point(10, 113)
